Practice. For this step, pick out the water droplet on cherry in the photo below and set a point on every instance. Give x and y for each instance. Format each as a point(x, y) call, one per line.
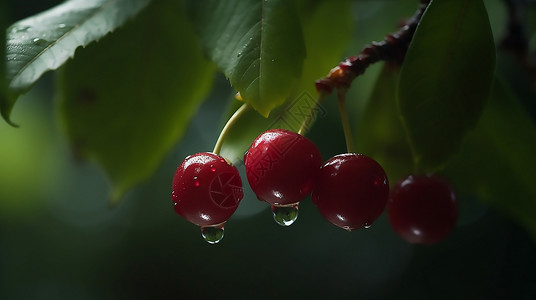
point(285, 215)
point(366, 225)
point(212, 234)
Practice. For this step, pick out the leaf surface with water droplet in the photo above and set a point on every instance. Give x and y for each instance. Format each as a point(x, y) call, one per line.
point(259, 45)
point(302, 101)
point(45, 41)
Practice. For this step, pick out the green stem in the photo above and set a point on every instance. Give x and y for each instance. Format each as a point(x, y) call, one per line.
point(307, 122)
point(232, 120)
point(345, 121)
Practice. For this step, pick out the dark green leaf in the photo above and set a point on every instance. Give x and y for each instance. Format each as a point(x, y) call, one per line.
point(446, 79)
point(258, 44)
point(45, 41)
point(4, 110)
point(380, 133)
point(324, 50)
point(497, 160)
point(127, 99)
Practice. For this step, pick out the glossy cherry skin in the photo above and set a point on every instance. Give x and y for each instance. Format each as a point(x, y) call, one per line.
point(282, 166)
point(206, 189)
point(352, 191)
point(423, 209)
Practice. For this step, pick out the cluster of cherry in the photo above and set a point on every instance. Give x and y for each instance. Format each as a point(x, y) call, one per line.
point(283, 167)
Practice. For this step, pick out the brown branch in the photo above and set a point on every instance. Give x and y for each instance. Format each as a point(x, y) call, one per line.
point(391, 49)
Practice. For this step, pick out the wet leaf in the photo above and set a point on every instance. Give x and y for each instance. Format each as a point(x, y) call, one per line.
point(446, 79)
point(324, 50)
point(45, 41)
point(258, 44)
point(126, 100)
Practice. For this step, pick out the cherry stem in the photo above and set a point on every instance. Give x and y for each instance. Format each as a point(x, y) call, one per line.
point(345, 122)
point(232, 120)
point(310, 118)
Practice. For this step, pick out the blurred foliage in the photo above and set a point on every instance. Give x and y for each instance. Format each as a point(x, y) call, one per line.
point(129, 118)
point(60, 240)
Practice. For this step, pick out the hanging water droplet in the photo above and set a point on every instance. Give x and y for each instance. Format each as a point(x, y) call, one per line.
point(39, 41)
point(212, 234)
point(366, 224)
point(285, 215)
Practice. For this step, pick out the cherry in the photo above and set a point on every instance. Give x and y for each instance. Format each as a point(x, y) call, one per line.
point(281, 168)
point(352, 191)
point(206, 190)
point(423, 209)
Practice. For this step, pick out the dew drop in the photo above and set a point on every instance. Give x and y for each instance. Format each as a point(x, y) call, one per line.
point(212, 234)
point(213, 169)
point(379, 181)
point(285, 215)
point(61, 25)
point(366, 225)
point(39, 42)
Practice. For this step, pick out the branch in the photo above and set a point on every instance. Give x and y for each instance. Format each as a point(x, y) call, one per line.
point(391, 49)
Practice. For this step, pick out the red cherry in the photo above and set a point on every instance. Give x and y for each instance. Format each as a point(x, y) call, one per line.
point(423, 209)
point(206, 189)
point(282, 166)
point(352, 191)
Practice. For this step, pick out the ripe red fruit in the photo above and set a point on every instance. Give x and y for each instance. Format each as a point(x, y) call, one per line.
point(423, 209)
point(282, 166)
point(206, 189)
point(352, 191)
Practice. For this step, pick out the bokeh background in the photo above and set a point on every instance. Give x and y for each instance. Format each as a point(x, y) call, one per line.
point(59, 239)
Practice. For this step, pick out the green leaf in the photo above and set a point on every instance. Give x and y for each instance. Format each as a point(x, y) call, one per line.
point(325, 47)
point(380, 133)
point(45, 41)
point(497, 159)
point(3, 82)
point(258, 44)
point(446, 79)
point(126, 100)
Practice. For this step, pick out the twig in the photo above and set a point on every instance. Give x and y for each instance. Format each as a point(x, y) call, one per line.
point(392, 49)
